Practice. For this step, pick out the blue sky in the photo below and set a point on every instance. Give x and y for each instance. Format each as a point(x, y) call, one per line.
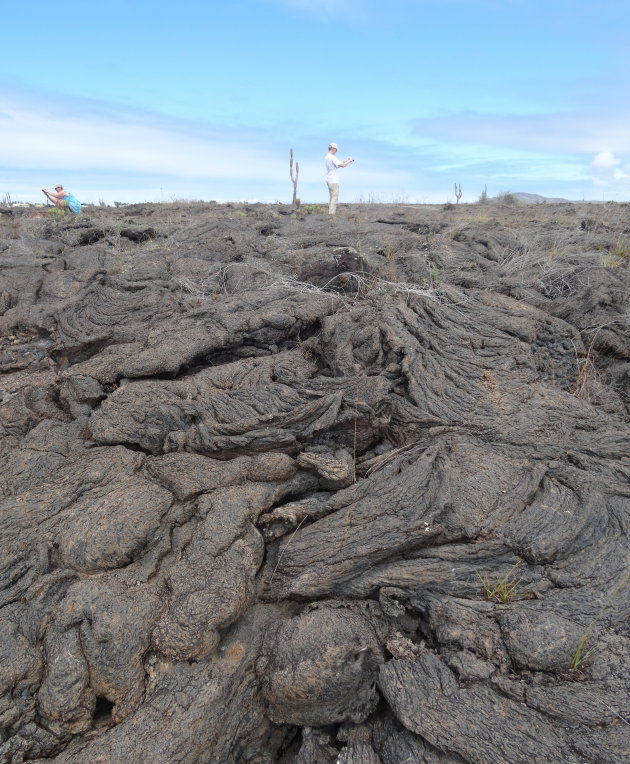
point(130, 100)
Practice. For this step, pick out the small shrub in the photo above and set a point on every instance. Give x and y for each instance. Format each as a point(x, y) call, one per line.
point(503, 589)
point(611, 262)
point(584, 651)
point(388, 249)
point(590, 383)
point(307, 352)
point(312, 209)
point(506, 197)
point(621, 250)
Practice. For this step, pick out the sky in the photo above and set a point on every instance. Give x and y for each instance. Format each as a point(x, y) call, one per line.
point(134, 101)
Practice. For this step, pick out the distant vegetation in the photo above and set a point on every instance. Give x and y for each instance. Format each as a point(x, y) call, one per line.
point(505, 197)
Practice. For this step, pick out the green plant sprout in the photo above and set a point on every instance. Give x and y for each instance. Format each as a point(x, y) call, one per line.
point(504, 588)
point(621, 249)
point(583, 650)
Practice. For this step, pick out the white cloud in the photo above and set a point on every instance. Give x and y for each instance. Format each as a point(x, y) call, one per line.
point(559, 133)
point(102, 151)
point(113, 153)
point(48, 139)
point(605, 159)
point(608, 174)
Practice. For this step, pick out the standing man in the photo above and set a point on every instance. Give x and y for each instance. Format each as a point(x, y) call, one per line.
point(332, 179)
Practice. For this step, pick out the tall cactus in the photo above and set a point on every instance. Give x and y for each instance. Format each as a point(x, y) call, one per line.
point(294, 180)
point(458, 192)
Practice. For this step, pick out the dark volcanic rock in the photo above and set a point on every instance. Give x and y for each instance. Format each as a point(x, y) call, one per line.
point(276, 488)
point(320, 668)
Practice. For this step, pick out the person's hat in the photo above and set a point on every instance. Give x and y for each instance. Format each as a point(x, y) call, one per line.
point(58, 185)
point(333, 146)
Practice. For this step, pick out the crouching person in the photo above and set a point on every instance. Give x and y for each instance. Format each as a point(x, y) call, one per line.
point(63, 200)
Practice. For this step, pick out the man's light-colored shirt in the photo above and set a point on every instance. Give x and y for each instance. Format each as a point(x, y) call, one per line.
point(331, 168)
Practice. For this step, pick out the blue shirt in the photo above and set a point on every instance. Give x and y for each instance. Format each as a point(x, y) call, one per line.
point(73, 203)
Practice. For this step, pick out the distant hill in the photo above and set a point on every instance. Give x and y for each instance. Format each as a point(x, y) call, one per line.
point(526, 198)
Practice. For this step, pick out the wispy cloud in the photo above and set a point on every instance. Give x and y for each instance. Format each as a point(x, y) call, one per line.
point(579, 133)
point(89, 142)
point(111, 152)
point(78, 135)
point(566, 148)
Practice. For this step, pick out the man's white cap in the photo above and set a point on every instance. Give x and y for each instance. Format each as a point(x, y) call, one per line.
point(333, 146)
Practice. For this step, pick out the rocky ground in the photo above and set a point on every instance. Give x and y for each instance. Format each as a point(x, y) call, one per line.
point(276, 488)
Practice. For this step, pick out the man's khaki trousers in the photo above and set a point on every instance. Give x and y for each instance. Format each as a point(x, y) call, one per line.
point(333, 192)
